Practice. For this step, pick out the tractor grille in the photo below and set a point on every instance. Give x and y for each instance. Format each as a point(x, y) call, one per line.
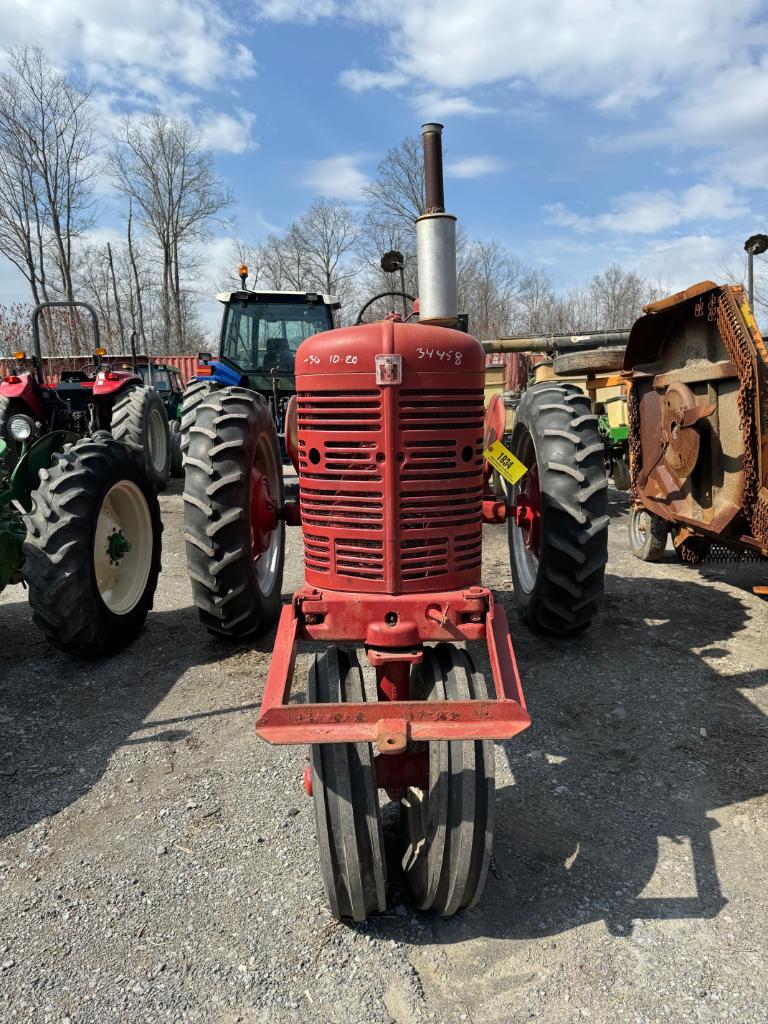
point(391, 488)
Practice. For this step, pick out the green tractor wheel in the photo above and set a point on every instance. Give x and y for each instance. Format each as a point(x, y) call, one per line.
point(92, 551)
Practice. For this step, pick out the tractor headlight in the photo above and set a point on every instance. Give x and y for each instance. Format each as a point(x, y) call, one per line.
point(20, 428)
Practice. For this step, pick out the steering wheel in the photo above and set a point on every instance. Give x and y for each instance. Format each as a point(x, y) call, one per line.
point(382, 295)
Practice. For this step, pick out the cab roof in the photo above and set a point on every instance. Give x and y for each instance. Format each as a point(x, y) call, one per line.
point(319, 298)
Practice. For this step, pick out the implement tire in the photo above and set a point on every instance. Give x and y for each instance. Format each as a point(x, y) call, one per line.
point(647, 534)
point(232, 458)
point(558, 567)
point(89, 593)
point(140, 421)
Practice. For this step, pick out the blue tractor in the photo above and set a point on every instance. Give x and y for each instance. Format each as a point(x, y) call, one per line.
point(260, 333)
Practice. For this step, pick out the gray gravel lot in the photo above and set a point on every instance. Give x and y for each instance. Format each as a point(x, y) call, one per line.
point(157, 862)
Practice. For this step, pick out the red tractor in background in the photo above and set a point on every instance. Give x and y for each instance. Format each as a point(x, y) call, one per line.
point(84, 402)
point(393, 452)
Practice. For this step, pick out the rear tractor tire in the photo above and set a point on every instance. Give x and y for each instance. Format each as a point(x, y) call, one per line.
point(92, 552)
point(346, 799)
point(559, 551)
point(233, 497)
point(447, 830)
point(140, 421)
point(195, 394)
point(647, 534)
point(177, 460)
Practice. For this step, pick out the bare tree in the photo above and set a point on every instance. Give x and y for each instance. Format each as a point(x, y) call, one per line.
point(397, 192)
point(47, 171)
point(160, 165)
point(328, 232)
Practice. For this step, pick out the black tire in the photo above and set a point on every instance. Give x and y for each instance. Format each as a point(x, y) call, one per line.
point(592, 360)
point(558, 590)
point(647, 534)
point(233, 432)
point(140, 421)
point(177, 460)
point(346, 799)
point(195, 394)
point(447, 831)
point(62, 533)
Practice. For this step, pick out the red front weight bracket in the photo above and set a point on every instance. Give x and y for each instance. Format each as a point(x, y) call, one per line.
point(454, 616)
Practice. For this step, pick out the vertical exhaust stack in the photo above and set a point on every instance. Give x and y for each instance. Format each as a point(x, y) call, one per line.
point(436, 239)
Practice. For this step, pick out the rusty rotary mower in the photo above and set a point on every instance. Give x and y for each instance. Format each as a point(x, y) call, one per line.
point(697, 369)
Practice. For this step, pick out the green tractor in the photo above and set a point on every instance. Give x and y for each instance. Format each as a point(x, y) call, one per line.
point(80, 528)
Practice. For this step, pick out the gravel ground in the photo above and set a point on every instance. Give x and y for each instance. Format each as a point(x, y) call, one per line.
point(157, 862)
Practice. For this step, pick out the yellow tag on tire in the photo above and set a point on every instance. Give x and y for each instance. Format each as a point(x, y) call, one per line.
point(504, 462)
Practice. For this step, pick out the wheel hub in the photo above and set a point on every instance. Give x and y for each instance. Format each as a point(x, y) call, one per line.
point(527, 511)
point(117, 546)
point(263, 518)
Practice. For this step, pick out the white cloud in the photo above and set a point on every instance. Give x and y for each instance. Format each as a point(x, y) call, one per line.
point(650, 212)
point(141, 44)
point(437, 104)
point(679, 262)
point(360, 79)
point(229, 133)
point(338, 177)
point(296, 10)
point(475, 166)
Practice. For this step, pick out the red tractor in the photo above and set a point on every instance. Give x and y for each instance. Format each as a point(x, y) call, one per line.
point(388, 437)
point(85, 401)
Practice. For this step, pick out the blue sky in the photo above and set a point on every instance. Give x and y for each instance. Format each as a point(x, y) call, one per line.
point(578, 133)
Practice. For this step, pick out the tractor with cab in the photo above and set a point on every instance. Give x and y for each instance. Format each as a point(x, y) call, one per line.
point(94, 398)
point(261, 332)
point(394, 453)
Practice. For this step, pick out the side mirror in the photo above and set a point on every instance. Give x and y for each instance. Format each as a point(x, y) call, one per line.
point(204, 357)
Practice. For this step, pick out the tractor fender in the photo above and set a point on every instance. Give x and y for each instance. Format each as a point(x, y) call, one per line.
point(24, 388)
point(225, 375)
point(109, 382)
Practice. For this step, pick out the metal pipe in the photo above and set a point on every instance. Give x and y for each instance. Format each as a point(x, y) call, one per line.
point(434, 198)
point(557, 342)
point(66, 304)
point(436, 240)
point(751, 278)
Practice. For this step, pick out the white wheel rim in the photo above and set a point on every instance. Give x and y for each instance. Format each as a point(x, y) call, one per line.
point(638, 528)
point(122, 577)
point(526, 561)
point(267, 561)
point(158, 440)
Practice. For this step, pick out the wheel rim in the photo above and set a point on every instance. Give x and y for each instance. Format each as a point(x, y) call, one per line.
point(526, 534)
point(638, 528)
point(158, 441)
point(122, 550)
point(265, 530)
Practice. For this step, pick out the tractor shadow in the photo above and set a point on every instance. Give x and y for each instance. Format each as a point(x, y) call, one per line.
point(61, 719)
point(614, 767)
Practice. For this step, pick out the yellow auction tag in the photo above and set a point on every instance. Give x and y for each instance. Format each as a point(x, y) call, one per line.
point(502, 459)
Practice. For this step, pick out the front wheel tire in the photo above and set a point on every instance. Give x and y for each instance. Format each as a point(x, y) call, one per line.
point(140, 421)
point(92, 553)
point(447, 829)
